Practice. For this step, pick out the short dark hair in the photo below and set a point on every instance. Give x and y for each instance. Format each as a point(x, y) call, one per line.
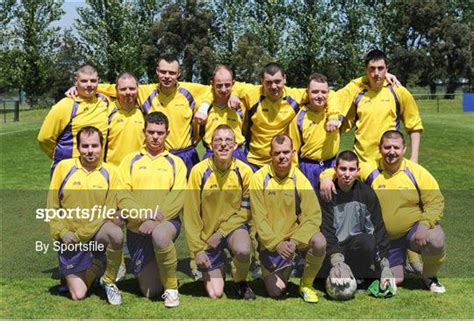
point(376, 55)
point(348, 156)
point(126, 74)
point(318, 78)
point(169, 58)
point(280, 139)
point(157, 117)
point(86, 69)
point(89, 130)
point(271, 69)
point(223, 127)
point(221, 66)
point(392, 134)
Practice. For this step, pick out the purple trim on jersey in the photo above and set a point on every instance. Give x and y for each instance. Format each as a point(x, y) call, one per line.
point(135, 159)
point(410, 175)
point(189, 156)
point(173, 165)
point(397, 106)
point(254, 167)
point(293, 103)
point(312, 169)
point(265, 181)
point(65, 141)
point(272, 261)
point(357, 101)
point(192, 103)
point(372, 176)
point(111, 115)
point(398, 248)
point(103, 98)
point(147, 104)
point(251, 112)
point(240, 113)
point(299, 124)
point(63, 184)
point(238, 153)
point(205, 177)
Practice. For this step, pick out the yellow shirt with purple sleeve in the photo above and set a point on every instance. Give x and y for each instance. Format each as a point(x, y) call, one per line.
point(406, 197)
point(374, 111)
point(283, 209)
point(216, 201)
point(57, 136)
point(155, 182)
point(125, 132)
point(73, 187)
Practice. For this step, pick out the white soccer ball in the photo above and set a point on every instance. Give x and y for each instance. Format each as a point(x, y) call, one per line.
point(341, 292)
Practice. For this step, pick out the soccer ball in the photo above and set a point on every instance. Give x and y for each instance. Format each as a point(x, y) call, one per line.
point(342, 292)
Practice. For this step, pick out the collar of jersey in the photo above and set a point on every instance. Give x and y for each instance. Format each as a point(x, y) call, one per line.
point(143, 151)
point(271, 172)
point(365, 82)
point(214, 168)
point(79, 166)
point(119, 107)
point(82, 100)
point(403, 165)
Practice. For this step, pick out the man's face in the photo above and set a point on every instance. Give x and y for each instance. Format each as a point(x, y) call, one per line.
point(346, 173)
point(282, 154)
point(127, 91)
point(318, 94)
point(222, 84)
point(223, 144)
point(155, 137)
point(168, 73)
point(392, 150)
point(274, 85)
point(86, 84)
point(376, 71)
point(90, 149)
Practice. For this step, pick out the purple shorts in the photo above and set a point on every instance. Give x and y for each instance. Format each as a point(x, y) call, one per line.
point(141, 248)
point(74, 262)
point(217, 256)
point(272, 261)
point(238, 153)
point(398, 248)
point(312, 169)
point(189, 156)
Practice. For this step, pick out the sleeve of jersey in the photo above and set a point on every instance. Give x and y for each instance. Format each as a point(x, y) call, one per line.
point(107, 89)
point(174, 200)
point(333, 106)
point(242, 216)
point(382, 243)
point(198, 90)
point(57, 227)
point(53, 125)
point(409, 111)
point(193, 224)
point(310, 217)
point(294, 133)
point(240, 89)
point(265, 233)
point(329, 173)
point(432, 198)
point(346, 96)
point(327, 227)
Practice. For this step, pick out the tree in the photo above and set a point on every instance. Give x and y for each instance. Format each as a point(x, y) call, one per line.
point(249, 58)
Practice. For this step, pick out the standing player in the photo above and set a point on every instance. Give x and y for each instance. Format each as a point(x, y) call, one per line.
point(315, 146)
point(216, 214)
point(57, 135)
point(157, 180)
point(287, 218)
point(412, 207)
point(353, 227)
point(126, 121)
point(372, 106)
point(84, 182)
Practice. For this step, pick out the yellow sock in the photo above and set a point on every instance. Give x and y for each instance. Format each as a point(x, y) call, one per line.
point(167, 264)
point(114, 258)
point(413, 257)
point(240, 270)
point(93, 272)
point(432, 264)
point(311, 267)
point(192, 261)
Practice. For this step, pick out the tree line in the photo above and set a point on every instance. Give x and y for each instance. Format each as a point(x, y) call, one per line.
point(428, 41)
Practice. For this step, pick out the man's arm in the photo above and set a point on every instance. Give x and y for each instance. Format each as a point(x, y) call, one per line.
point(415, 138)
point(53, 125)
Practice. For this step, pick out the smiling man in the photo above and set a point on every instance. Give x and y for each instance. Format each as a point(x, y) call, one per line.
point(217, 213)
point(287, 217)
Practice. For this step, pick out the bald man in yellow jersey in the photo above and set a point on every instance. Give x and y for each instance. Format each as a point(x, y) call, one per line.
point(371, 105)
point(315, 146)
point(412, 207)
point(57, 136)
point(287, 217)
point(157, 180)
point(217, 213)
point(125, 121)
point(84, 183)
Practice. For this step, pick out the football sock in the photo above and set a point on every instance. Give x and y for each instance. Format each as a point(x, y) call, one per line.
point(167, 264)
point(311, 267)
point(114, 258)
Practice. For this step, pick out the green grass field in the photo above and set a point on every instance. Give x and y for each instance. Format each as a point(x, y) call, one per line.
point(28, 291)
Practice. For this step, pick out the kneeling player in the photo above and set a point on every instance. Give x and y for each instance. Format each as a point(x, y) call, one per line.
point(157, 180)
point(85, 183)
point(287, 218)
point(353, 227)
point(216, 214)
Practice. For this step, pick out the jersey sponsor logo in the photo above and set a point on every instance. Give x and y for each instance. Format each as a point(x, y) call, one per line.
point(271, 193)
point(381, 186)
point(232, 119)
point(76, 183)
point(120, 120)
point(265, 110)
point(97, 186)
point(86, 108)
point(138, 122)
point(213, 186)
point(214, 119)
point(142, 167)
point(162, 169)
point(180, 105)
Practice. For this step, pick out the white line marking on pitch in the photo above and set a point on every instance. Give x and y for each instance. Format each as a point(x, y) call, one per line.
point(18, 131)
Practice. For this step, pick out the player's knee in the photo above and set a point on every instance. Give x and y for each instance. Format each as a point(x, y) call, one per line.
point(215, 293)
point(116, 237)
point(77, 294)
point(436, 243)
point(242, 253)
point(275, 291)
point(318, 244)
point(161, 240)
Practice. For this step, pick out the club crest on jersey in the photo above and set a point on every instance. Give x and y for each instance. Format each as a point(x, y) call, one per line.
point(142, 167)
point(120, 121)
point(381, 186)
point(76, 183)
point(271, 193)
